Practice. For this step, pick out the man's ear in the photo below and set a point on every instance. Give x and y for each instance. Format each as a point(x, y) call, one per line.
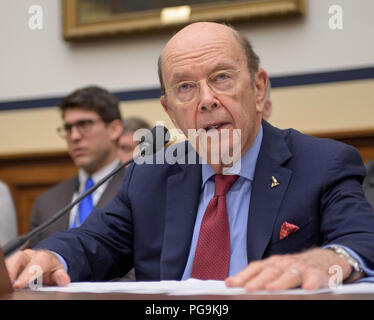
point(261, 83)
point(168, 110)
point(115, 129)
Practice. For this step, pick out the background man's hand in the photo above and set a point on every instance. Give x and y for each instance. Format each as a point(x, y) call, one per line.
point(19, 265)
point(309, 269)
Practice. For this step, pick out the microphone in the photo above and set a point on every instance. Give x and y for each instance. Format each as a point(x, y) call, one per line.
point(154, 140)
point(151, 142)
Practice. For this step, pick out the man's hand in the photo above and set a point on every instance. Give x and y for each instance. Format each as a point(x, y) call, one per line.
point(280, 272)
point(19, 265)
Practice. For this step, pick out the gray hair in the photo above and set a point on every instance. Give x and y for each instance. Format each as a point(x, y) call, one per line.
point(134, 123)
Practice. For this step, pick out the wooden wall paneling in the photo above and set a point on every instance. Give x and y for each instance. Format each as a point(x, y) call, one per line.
point(28, 175)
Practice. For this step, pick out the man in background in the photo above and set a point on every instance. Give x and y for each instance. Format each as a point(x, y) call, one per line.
point(91, 127)
point(126, 142)
point(8, 216)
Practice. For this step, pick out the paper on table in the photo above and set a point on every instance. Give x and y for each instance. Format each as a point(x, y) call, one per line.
point(364, 287)
point(193, 287)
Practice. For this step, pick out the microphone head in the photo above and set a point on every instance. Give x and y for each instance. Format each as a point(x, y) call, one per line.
point(154, 140)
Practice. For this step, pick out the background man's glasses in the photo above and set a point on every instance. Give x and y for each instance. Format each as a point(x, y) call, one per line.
point(83, 126)
point(222, 81)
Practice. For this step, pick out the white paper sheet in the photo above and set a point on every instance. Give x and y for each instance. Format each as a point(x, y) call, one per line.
point(193, 287)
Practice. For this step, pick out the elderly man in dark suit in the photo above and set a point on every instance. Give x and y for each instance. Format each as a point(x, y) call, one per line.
point(278, 214)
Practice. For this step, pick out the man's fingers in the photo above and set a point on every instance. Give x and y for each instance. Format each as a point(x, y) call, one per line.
point(291, 278)
point(314, 279)
point(308, 270)
point(17, 262)
point(29, 272)
point(20, 283)
point(242, 277)
point(259, 282)
point(60, 277)
point(29, 265)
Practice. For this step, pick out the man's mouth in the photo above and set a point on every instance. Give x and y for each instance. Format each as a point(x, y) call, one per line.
point(215, 126)
point(79, 152)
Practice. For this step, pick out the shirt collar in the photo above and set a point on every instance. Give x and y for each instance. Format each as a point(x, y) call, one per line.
point(97, 176)
point(246, 166)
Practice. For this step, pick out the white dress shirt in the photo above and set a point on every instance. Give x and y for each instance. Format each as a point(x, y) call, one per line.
point(96, 177)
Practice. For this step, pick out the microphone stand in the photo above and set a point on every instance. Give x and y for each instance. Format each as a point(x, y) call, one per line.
point(20, 241)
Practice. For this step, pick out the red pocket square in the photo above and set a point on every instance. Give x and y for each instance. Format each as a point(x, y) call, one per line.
point(286, 229)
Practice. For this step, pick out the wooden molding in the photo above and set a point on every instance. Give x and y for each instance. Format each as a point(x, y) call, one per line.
point(28, 175)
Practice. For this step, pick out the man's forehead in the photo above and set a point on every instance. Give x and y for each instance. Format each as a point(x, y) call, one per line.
point(77, 112)
point(199, 32)
point(199, 43)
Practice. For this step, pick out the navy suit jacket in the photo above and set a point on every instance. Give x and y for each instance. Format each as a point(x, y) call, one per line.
point(59, 196)
point(149, 224)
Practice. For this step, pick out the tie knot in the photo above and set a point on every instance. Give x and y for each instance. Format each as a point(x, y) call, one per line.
point(223, 183)
point(89, 184)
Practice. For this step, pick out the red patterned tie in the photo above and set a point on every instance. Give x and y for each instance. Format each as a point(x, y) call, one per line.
point(212, 255)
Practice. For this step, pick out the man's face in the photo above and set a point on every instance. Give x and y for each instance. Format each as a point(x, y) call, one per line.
point(90, 146)
point(195, 53)
point(126, 146)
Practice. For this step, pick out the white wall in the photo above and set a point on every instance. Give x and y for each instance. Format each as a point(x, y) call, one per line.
point(309, 45)
point(36, 64)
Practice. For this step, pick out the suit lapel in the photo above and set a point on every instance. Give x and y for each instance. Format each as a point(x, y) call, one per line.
point(182, 200)
point(265, 199)
point(111, 189)
point(65, 198)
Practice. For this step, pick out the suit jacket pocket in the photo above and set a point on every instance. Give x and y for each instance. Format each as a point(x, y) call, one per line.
point(306, 237)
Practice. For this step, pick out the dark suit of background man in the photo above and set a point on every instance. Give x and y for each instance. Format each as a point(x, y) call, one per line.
point(368, 183)
point(92, 126)
point(295, 195)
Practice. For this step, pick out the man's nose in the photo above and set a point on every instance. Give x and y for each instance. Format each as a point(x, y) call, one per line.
point(74, 133)
point(208, 100)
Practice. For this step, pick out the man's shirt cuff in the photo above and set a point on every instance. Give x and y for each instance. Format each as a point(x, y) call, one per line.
point(369, 273)
point(63, 261)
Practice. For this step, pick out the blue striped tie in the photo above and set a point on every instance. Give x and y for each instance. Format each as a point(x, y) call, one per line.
point(85, 206)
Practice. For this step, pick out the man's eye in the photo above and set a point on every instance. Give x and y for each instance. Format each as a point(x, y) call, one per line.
point(84, 123)
point(221, 77)
point(183, 87)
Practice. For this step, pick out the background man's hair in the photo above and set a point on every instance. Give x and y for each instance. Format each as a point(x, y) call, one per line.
point(93, 98)
point(132, 124)
point(253, 60)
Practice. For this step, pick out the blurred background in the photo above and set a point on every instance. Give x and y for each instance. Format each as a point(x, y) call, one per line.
point(319, 55)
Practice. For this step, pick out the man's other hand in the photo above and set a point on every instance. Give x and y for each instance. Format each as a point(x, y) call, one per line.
point(20, 267)
point(308, 270)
